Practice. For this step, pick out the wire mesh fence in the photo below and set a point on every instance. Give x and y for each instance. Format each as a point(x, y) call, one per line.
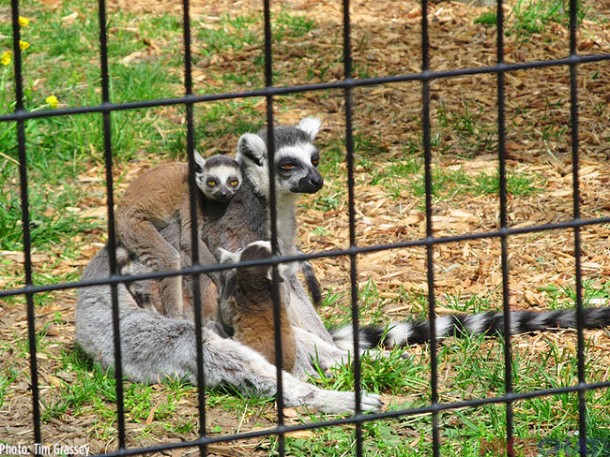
point(347, 83)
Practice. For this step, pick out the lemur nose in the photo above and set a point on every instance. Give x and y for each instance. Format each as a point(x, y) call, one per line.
point(317, 181)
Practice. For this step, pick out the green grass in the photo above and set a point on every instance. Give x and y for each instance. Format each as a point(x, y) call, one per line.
point(380, 438)
point(407, 174)
point(450, 184)
point(92, 390)
point(477, 371)
point(564, 297)
point(8, 376)
point(391, 373)
point(487, 18)
point(528, 17)
point(532, 16)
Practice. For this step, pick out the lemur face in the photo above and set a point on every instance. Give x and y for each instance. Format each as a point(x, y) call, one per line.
point(297, 168)
point(296, 158)
point(218, 177)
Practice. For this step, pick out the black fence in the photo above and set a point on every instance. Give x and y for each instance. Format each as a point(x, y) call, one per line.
point(347, 84)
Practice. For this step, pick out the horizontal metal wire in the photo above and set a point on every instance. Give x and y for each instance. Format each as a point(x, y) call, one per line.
point(430, 241)
point(396, 414)
point(287, 90)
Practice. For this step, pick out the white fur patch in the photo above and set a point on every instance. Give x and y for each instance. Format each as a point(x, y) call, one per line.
point(311, 126)
point(475, 324)
point(228, 256)
point(262, 244)
point(255, 144)
point(443, 324)
point(302, 152)
point(398, 335)
point(224, 172)
point(344, 338)
point(258, 174)
point(200, 160)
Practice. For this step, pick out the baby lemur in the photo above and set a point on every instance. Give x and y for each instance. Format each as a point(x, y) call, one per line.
point(160, 196)
point(246, 308)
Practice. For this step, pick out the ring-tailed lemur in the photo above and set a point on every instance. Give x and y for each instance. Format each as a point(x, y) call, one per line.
point(246, 218)
point(155, 346)
point(246, 309)
point(160, 196)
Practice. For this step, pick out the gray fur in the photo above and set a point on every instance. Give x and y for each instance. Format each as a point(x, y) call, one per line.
point(245, 218)
point(294, 149)
point(155, 347)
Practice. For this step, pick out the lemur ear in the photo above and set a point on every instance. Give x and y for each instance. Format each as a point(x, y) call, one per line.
point(225, 256)
point(122, 255)
point(198, 159)
point(281, 270)
point(311, 126)
point(122, 259)
point(253, 148)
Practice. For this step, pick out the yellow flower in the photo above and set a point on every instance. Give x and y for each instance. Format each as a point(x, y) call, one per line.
point(23, 45)
point(5, 59)
point(52, 101)
point(24, 21)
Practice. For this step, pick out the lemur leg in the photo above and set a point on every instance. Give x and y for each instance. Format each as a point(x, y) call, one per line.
point(208, 293)
point(302, 313)
point(151, 248)
point(229, 361)
point(312, 349)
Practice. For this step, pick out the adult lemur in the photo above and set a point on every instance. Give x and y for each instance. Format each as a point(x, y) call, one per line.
point(155, 346)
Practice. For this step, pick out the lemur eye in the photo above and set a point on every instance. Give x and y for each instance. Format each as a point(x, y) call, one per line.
point(233, 183)
point(287, 166)
point(315, 161)
point(211, 183)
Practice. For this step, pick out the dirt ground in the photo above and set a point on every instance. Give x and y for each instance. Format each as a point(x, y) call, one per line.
point(386, 41)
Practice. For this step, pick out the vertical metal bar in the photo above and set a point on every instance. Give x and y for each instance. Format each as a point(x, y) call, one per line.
point(349, 146)
point(508, 368)
point(273, 225)
point(107, 131)
point(25, 219)
point(582, 402)
point(193, 196)
point(426, 129)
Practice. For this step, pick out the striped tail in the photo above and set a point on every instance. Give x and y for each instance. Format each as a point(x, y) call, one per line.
point(487, 323)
